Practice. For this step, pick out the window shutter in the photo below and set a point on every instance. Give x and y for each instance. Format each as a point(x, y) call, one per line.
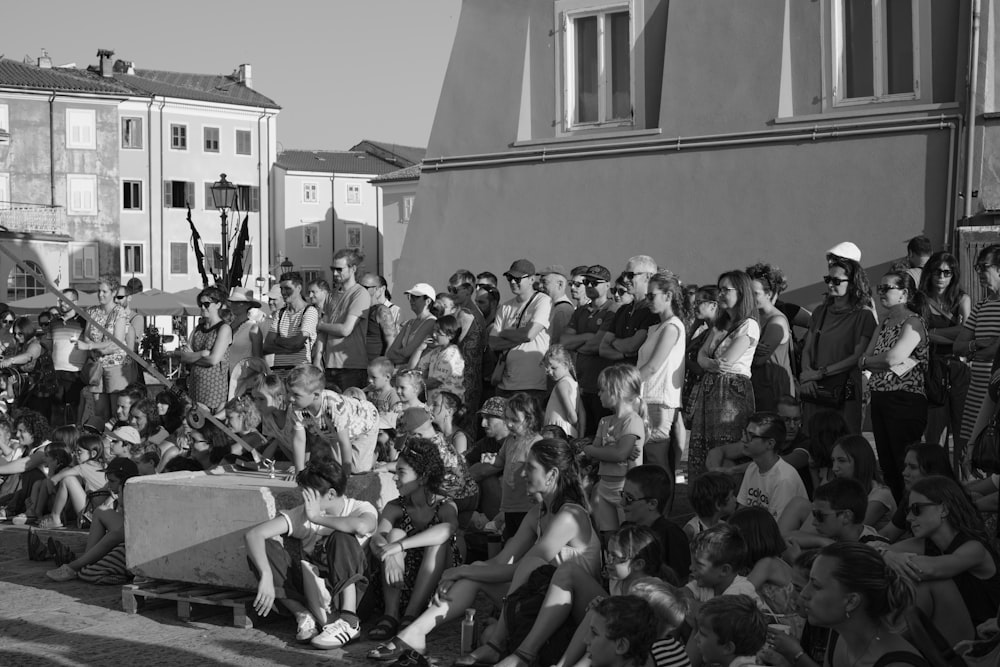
point(168, 194)
point(254, 198)
point(209, 202)
point(189, 193)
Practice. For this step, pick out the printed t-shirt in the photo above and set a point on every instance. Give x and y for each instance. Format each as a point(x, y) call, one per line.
point(773, 489)
point(301, 528)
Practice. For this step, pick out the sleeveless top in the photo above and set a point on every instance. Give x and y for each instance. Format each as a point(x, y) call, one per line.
point(981, 596)
point(114, 357)
point(664, 385)
point(937, 318)
point(913, 380)
point(741, 366)
point(588, 557)
point(554, 415)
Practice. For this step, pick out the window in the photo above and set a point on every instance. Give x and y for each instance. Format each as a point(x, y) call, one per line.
point(353, 193)
point(248, 197)
point(407, 208)
point(21, 285)
point(211, 140)
point(81, 194)
point(310, 236)
point(83, 261)
point(875, 51)
point(178, 258)
point(243, 143)
point(179, 137)
point(311, 274)
point(131, 133)
point(132, 195)
point(4, 119)
point(80, 128)
point(595, 63)
point(213, 257)
point(4, 191)
point(178, 194)
point(133, 258)
point(310, 193)
point(354, 236)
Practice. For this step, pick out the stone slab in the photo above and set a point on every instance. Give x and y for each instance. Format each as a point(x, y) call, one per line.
point(189, 526)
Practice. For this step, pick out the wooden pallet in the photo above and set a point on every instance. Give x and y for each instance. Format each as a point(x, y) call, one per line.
point(240, 602)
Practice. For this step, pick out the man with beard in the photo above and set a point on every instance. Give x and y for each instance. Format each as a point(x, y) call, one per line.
point(340, 348)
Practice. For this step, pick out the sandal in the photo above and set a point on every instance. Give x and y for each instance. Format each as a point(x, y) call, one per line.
point(390, 651)
point(385, 628)
point(472, 660)
point(50, 522)
point(410, 658)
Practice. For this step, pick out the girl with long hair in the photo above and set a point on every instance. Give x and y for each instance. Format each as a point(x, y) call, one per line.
point(921, 460)
point(723, 400)
point(771, 372)
point(839, 333)
point(897, 359)
point(564, 407)
point(207, 352)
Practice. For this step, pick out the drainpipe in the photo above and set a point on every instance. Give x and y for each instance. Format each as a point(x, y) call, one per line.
point(163, 282)
point(52, 150)
point(378, 230)
point(260, 189)
point(970, 109)
point(149, 180)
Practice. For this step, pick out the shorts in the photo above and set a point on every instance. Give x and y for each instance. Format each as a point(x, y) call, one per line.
point(112, 379)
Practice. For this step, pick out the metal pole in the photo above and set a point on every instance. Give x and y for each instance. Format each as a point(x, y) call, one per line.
point(225, 251)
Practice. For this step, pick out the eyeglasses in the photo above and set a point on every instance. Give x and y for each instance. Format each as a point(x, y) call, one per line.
point(513, 279)
point(819, 516)
point(750, 435)
point(885, 289)
point(206, 304)
point(593, 282)
point(628, 500)
point(944, 273)
point(371, 286)
point(982, 266)
point(120, 297)
point(917, 508)
point(485, 286)
point(630, 275)
point(615, 559)
point(453, 289)
point(831, 280)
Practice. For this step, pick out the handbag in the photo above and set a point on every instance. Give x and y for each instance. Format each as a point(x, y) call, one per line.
point(985, 454)
point(834, 390)
point(498, 371)
point(937, 379)
point(91, 373)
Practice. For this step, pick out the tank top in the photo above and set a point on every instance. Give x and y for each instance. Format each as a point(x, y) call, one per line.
point(913, 380)
point(664, 385)
point(981, 596)
point(554, 416)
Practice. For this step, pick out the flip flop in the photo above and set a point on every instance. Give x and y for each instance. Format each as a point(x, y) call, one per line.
point(385, 628)
point(391, 650)
point(470, 660)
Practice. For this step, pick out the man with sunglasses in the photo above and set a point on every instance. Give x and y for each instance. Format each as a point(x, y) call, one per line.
point(769, 481)
point(553, 283)
point(520, 332)
point(577, 290)
point(341, 334)
point(622, 343)
point(584, 334)
point(838, 512)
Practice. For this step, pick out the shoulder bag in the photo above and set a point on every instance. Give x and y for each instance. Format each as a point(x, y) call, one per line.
point(498, 371)
point(831, 391)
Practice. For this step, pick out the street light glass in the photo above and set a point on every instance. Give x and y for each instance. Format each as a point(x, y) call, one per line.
point(223, 193)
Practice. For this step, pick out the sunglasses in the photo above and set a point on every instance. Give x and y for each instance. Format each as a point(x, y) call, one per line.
point(885, 289)
point(593, 282)
point(621, 291)
point(513, 279)
point(917, 508)
point(944, 273)
point(120, 297)
point(206, 304)
point(576, 283)
point(453, 289)
point(485, 286)
point(831, 280)
point(630, 275)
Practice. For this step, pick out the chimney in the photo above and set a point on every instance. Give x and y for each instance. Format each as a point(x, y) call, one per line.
point(124, 67)
point(245, 75)
point(105, 66)
point(44, 61)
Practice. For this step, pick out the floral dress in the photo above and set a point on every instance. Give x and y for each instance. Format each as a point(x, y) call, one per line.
point(447, 366)
point(209, 384)
point(472, 347)
point(111, 358)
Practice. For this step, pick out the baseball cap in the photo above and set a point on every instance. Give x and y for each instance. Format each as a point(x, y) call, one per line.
point(422, 289)
point(412, 419)
point(520, 269)
point(274, 293)
point(122, 468)
point(494, 407)
point(599, 272)
point(554, 268)
point(127, 434)
point(847, 250)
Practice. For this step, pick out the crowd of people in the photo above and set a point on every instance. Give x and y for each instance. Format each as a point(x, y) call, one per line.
point(535, 443)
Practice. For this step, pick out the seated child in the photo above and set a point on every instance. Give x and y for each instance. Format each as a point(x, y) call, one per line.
point(484, 452)
point(622, 631)
point(440, 359)
point(731, 629)
point(447, 411)
point(334, 531)
point(717, 556)
point(670, 611)
point(73, 483)
point(276, 425)
point(713, 498)
point(148, 462)
point(243, 418)
point(409, 385)
point(57, 458)
point(415, 539)
point(380, 393)
point(648, 488)
point(328, 421)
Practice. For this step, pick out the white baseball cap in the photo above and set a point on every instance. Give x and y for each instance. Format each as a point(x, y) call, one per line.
point(846, 250)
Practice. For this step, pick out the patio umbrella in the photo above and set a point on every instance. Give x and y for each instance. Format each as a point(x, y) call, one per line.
point(154, 302)
point(40, 302)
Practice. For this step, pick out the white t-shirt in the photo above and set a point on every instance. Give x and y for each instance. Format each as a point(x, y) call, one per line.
point(665, 384)
point(740, 586)
point(524, 369)
point(773, 489)
point(310, 533)
point(748, 328)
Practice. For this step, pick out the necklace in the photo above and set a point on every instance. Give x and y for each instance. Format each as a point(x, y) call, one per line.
point(863, 653)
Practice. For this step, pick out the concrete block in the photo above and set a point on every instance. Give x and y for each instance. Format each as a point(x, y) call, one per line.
point(189, 526)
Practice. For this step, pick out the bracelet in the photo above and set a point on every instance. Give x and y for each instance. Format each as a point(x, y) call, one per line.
point(299, 426)
point(864, 360)
point(798, 655)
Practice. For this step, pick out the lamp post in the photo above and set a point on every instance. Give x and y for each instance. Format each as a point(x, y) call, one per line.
point(224, 197)
point(286, 265)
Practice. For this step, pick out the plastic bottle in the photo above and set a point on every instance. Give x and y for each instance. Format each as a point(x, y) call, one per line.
point(469, 631)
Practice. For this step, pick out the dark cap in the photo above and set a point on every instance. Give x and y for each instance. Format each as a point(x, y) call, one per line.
point(599, 272)
point(494, 407)
point(122, 468)
point(521, 268)
point(412, 419)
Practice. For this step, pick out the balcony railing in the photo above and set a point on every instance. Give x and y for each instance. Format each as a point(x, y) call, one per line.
point(32, 218)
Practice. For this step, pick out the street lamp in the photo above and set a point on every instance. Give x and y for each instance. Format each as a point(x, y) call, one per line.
point(286, 265)
point(224, 198)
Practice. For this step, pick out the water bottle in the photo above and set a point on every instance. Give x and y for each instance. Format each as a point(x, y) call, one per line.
point(469, 631)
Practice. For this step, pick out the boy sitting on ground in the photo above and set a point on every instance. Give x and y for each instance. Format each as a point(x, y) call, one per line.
point(731, 629)
point(713, 499)
point(622, 631)
point(647, 490)
point(334, 531)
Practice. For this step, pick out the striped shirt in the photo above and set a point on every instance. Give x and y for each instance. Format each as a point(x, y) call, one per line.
point(668, 652)
point(295, 323)
point(984, 322)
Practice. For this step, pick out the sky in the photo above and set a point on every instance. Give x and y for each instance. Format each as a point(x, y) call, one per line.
point(342, 70)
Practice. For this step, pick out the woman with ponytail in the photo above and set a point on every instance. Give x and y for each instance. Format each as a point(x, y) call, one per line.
point(854, 592)
point(897, 358)
point(555, 532)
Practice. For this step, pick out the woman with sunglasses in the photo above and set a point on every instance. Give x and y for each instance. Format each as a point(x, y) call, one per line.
point(771, 372)
point(104, 351)
point(897, 359)
point(723, 400)
point(977, 342)
point(839, 333)
point(416, 330)
point(949, 542)
point(207, 353)
point(621, 293)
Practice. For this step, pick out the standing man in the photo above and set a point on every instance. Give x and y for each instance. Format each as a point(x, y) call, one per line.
point(521, 331)
point(589, 325)
point(553, 283)
point(341, 349)
point(918, 251)
point(318, 294)
point(382, 324)
point(622, 346)
point(67, 359)
point(293, 330)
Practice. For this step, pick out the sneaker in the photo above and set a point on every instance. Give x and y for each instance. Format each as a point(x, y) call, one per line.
point(62, 573)
point(20, 519)
point(50, 522)
point(336, 634)
point(307, 628)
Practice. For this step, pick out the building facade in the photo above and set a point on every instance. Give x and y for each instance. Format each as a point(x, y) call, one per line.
point(397, 193)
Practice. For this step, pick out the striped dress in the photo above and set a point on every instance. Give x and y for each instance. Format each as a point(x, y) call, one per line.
point(984, 322)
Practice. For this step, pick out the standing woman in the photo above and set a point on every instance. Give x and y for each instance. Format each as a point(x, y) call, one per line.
point(897, 358)
point(416, 330)
point(723, 401)
point(111, 358)
point(977, 342)
point(471, 341)
point(771, 372)
point(839, 333)
point(946, 308)
point(704, 312)
point(207, 354)
point(661, 366)
point(248, 341)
